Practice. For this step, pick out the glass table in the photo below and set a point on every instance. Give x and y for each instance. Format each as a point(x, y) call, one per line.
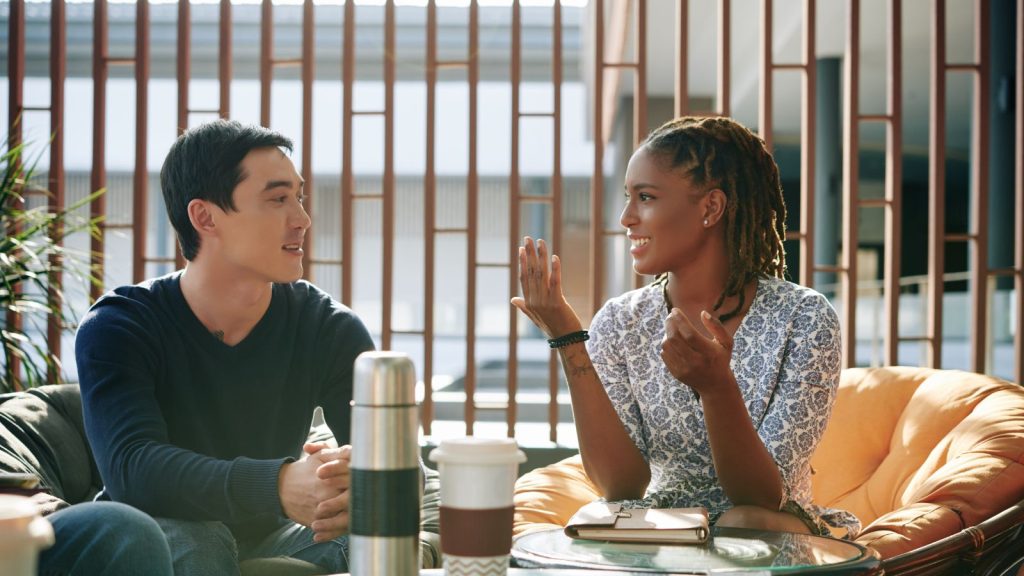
point(729, 550)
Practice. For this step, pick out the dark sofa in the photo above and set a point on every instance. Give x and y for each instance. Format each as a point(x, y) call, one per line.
point(42, 433)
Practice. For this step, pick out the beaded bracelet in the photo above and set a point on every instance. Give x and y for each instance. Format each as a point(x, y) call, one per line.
point(570, 338)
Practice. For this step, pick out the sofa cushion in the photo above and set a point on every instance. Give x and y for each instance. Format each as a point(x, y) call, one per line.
point(41, 432)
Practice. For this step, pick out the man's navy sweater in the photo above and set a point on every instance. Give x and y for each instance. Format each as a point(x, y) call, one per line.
point(183, 425)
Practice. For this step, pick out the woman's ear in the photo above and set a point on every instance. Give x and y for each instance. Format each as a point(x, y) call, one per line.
point(714, 206)
point(201, 217)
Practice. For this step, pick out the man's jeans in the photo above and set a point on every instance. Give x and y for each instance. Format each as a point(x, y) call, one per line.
point(200, 548)
point(106, 538)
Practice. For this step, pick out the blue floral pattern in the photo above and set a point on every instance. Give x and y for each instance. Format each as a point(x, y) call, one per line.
point(786, 360)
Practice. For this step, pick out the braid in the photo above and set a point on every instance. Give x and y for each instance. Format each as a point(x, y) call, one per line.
point(722, 153)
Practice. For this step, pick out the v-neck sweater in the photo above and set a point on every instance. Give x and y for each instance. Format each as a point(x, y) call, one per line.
point(183, 425)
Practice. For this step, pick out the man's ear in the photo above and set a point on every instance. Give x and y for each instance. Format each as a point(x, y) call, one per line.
point(714, 206)
point(201, 216)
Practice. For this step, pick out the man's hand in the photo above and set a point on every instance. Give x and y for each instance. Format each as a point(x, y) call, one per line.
point(332, 513)
point(303, 489)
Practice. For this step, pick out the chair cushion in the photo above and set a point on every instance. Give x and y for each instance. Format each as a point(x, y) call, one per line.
point(548, 496)
point(41, 432)
point(917, 454)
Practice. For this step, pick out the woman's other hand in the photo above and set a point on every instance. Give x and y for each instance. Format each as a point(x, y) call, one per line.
point(700, 362)
point(543, 301)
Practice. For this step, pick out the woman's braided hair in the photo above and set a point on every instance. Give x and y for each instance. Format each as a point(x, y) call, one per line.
point(718, 152)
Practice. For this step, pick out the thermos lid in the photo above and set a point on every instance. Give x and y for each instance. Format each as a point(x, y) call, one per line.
point(475, 450)
point(384, 379)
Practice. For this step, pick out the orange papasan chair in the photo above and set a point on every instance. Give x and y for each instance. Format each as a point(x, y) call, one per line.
point(931, 461)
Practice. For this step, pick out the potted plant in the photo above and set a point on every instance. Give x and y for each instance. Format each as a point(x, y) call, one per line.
point(31, 253)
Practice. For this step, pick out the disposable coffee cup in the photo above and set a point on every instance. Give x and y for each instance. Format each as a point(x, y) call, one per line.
point(478, 477)
point(23, 533)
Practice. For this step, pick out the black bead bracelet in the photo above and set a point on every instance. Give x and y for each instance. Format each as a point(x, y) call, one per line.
point(570, 338)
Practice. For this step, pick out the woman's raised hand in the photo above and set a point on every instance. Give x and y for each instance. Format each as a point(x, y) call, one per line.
point(700, 362)
point(543, 301)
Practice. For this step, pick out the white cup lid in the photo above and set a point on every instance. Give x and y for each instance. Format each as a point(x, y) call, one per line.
point(474, 450)
point(16, 512)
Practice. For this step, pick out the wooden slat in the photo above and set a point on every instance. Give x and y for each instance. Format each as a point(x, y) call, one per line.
point(682, 87)
point(808, 105)
point(308, 72)
point(893, 183)
point(348, 180)
point(98, 176)
point(140, 188)
point(851, 187)
point(1018, 337)
point(472, 197)
point(515, 212)
point(597, 252)
point(936, 186)
point(764, 101)
point(979, 352)
point(15, 111)
point(429, 221)
point(58, 73)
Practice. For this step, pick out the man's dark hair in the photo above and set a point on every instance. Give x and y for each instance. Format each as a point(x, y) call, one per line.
point(204, 163)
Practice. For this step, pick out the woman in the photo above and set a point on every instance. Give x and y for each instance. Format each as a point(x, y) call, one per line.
point(711, 386)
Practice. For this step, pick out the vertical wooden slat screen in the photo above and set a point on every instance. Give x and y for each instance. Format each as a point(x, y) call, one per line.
point(430, 222)
point(851, 187)
point(597, 254)
point(514, 214)
point(556, 197)
point(98, 177)
point(681, 102)
point(388, 201)
point(472, 195)
point(58, 73)
point(387, 194)
point(808, 81)
point(224, 58)
point(1018, 283)
point(808, 78)
point(348, 180)
point(15, 117)
point(978, 235)
point(852, 202)
point(308, 71)
point(184, 61)
point(603, 99)
point(184, 77)
point(722, 103)
point(268, 62)
point(606, 64)
point(893, 183)
point(518, 201)
point(764, 101)
point(140, 192)
point(266, 58)
point(936, 187)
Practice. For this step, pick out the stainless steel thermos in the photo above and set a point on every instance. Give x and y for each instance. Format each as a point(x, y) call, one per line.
point(386, 484)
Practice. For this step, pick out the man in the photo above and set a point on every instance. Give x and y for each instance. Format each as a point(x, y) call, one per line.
point(198, 387)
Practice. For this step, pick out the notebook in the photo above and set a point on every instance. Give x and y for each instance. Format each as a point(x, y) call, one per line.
point(608, 521)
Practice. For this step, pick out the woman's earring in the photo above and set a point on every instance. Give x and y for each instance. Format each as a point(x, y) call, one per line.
point(705, 222)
